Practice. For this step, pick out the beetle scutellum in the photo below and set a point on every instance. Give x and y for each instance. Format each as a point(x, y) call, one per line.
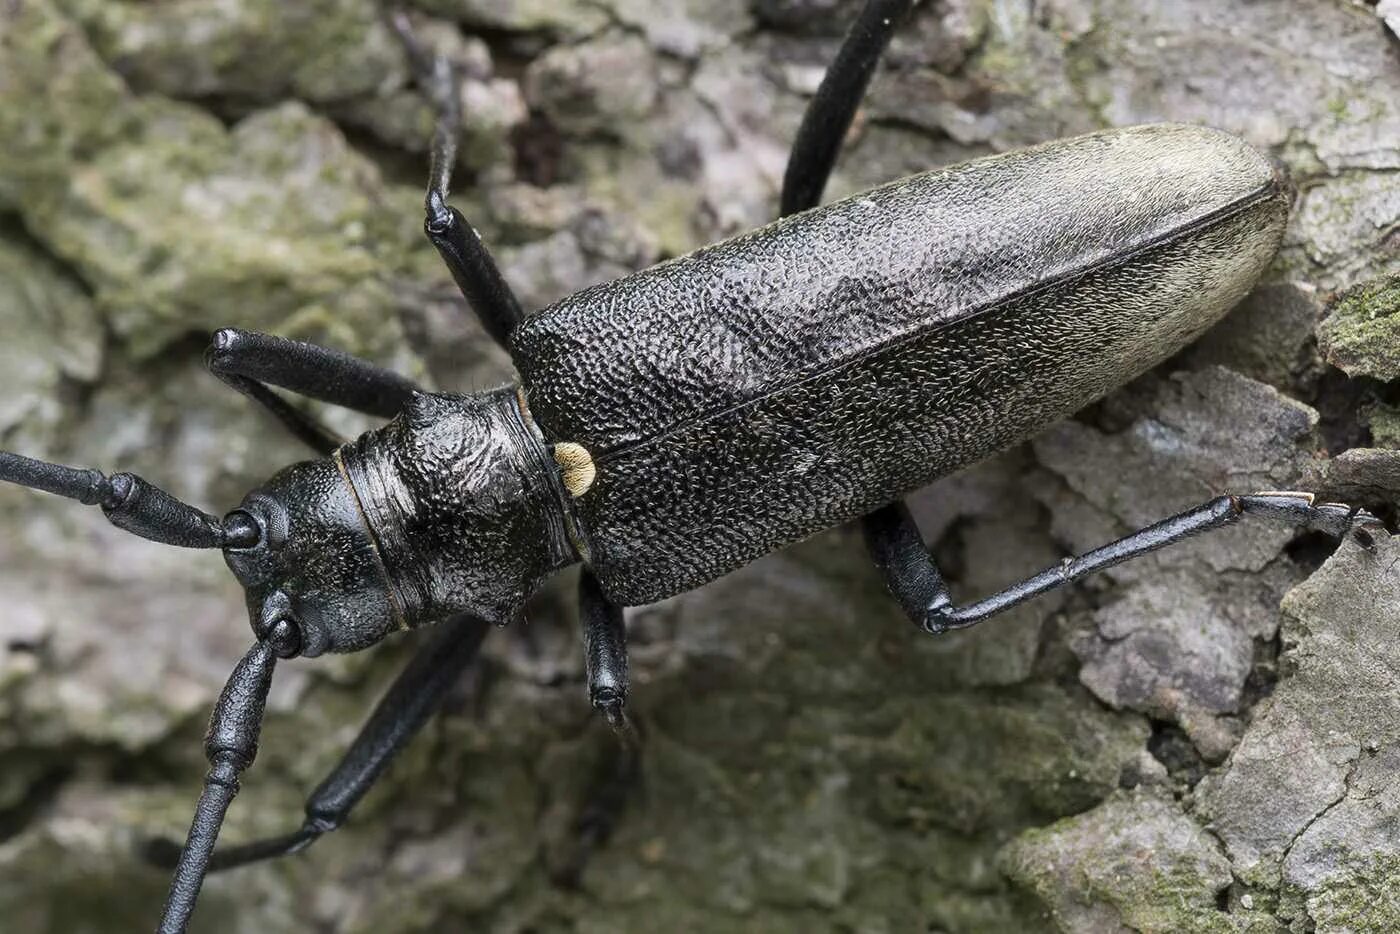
point(682, 421)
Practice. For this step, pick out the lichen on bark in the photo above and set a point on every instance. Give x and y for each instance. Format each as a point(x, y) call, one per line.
point(1362, 332)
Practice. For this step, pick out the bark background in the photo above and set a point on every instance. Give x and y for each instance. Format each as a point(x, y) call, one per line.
point(1207, 740)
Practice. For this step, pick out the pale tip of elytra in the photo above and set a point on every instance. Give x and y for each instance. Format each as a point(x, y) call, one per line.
point(577, 466)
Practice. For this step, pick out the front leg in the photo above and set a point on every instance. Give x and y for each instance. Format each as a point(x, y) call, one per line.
point(249, 361)
point(414, 696)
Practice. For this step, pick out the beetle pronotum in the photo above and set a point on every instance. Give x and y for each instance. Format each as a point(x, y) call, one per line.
point(677, 423)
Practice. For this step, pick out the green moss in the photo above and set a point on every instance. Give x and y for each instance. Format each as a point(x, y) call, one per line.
point(187, 221)
point(258, 50)
point(1084, 64)
point(1362, 333)
point(174, 220)
point(997, 759)
point(1364, 898)
point(1384, 422)
point(85, 107)
point(565, 17)
point(51, 333)
point(1135, 861)
point(50, 887)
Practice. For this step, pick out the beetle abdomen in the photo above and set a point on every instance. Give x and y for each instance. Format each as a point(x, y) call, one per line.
point(746, 395)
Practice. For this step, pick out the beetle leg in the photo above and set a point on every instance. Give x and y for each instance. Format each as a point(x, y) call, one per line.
point(471, 264)
point(892, 536)
point(914, 581)
point(829, 115)
point(611, 787)
point(604, 651)
point(605, 660)
point(308, 370)
point(248, 360)
point(410, 701)
point(898, 550)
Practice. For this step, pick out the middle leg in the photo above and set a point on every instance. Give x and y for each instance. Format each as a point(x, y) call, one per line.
point(471, 264)
point(490, 297)
point(604, 651)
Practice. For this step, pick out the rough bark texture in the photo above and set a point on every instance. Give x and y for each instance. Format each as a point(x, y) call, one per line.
point(1206, 740)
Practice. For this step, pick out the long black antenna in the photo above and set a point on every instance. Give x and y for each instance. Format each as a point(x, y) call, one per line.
point(128, 501)
point(230, 745)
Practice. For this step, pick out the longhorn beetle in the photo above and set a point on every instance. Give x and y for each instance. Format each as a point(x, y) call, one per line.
point(680, 422)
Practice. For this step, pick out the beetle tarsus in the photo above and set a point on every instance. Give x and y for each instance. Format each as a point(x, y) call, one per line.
point(438, 215)
point(938, 617)
point(164, 852)
point(605, 663)
point(604, 651)
point(613, 708)
point(614, 781)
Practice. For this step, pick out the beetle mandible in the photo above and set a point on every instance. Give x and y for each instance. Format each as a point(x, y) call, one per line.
point(680, 422)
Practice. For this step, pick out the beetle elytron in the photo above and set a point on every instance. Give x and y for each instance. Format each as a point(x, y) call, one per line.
point(682, 421)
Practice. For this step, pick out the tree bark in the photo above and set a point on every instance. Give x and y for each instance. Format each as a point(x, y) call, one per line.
point(1202, 740)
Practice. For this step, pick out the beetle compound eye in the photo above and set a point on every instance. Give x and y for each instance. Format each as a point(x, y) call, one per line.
point(269, 514)
point(284, 636)
point(241, 531)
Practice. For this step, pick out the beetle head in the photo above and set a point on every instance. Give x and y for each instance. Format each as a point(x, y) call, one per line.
point(300, 548)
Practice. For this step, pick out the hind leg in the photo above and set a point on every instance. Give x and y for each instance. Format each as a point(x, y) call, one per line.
point(490, 297)
point(916, 583)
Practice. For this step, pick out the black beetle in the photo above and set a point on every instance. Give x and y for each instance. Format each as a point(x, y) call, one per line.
point(680, 422)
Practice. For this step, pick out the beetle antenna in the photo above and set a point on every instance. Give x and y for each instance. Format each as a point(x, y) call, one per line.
point(128, 501)
point(230, 745)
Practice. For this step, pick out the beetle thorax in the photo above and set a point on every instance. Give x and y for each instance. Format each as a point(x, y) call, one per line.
point(464, 505)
